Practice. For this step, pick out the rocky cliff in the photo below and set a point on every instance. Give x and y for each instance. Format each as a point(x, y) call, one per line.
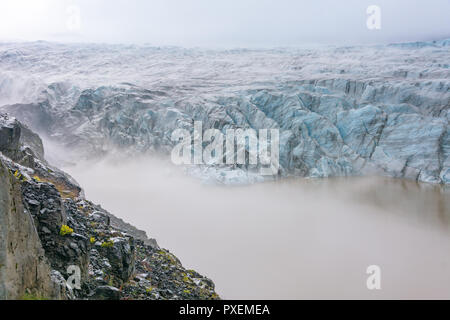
point(55, 244)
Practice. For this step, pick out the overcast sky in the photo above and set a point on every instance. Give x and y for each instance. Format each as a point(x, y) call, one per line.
point(222, 22)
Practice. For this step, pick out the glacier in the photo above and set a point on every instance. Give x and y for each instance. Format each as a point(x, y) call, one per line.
point(341, 111)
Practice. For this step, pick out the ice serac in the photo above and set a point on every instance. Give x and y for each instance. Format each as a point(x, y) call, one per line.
point(340, 110)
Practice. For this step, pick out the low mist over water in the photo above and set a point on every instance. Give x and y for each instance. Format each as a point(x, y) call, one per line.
point(290, 239)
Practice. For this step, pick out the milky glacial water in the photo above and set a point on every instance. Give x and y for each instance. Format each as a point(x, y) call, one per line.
point(290, 239)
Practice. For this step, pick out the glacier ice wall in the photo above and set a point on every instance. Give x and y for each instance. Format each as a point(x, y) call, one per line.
point(340, 110)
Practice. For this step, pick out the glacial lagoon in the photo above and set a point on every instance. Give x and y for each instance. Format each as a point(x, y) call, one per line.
point(293, 238)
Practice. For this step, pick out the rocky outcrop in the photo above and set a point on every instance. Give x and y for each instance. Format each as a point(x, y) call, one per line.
point(55, 244)
point(9, 136)
point(24, 269)
point(18, 142)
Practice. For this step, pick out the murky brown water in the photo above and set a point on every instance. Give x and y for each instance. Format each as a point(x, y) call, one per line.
point(291, 239)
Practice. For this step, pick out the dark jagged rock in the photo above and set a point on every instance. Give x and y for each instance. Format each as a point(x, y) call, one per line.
point(62, 229)
point(9, 137)
point(106, 293)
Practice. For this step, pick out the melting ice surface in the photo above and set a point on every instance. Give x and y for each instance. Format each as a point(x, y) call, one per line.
point(296, 238)
point(340, 111)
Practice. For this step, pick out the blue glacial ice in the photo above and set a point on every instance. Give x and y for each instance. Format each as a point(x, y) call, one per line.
point(341, 111)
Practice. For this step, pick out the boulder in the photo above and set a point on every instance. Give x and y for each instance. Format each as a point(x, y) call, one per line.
point(106, 293)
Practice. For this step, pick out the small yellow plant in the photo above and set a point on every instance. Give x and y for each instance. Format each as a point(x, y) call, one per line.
point(92, 239)
point(65, 230)
point(148, 290)
point(17, 174)
point(37, 178)
point(108, 244)
point(30, 296)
